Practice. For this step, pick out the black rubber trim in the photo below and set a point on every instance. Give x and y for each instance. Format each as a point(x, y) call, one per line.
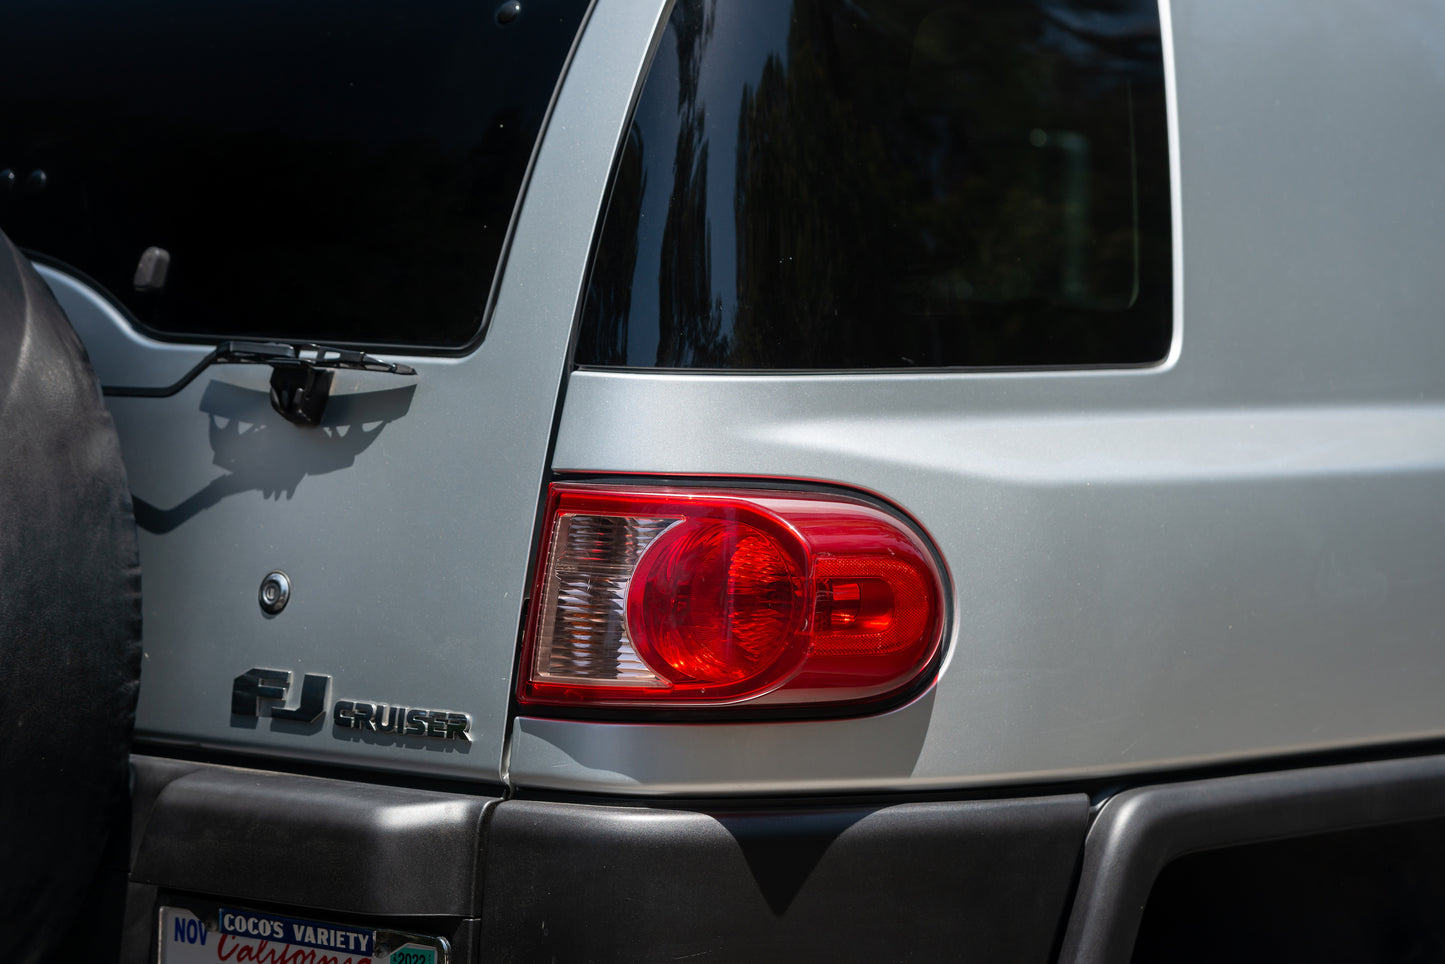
point(976, 880)
point(1138, 831)
point(279, 838)
point(614, 881)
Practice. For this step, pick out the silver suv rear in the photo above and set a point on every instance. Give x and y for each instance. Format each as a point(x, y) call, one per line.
point(843, 480)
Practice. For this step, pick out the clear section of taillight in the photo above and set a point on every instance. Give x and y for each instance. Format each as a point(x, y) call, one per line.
point(582, 634)
point(676, 597)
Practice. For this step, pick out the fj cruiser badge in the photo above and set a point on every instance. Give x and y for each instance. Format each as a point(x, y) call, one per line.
point(402, 720)
point(274, 685)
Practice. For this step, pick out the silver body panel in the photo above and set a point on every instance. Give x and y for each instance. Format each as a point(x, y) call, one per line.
point(1132, 591)
point(1238, 554)
point(405, 522)
point(1235, 554)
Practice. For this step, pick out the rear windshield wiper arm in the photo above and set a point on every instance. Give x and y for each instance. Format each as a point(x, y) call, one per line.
point(301, 374)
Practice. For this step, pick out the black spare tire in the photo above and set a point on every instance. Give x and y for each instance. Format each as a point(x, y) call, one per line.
point(69, 621)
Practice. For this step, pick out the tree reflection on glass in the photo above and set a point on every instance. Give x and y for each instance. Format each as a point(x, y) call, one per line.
point(979, 183)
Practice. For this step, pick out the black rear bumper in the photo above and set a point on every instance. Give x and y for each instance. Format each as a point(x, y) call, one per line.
point(521, 880)
point(1012, 880)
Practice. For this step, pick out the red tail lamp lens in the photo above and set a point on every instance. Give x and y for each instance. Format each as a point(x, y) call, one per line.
point(668, 597)
point(878, 608)
point(717, 601)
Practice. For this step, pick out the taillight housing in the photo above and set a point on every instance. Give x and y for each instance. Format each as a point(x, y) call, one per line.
point(671, 597)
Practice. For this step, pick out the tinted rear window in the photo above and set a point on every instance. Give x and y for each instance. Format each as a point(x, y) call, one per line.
point(891, 184)
point(337, 170)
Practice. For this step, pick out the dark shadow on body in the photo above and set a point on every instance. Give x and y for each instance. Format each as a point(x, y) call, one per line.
point(259, 450)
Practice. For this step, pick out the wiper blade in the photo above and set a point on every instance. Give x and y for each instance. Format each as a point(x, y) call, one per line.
point(325, 357)
point(276, 354)
point(301, 374)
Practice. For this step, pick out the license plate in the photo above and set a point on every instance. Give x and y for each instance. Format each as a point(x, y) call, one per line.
point(212, 933)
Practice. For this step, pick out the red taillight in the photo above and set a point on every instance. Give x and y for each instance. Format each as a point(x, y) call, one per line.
point(717, 602)
point(666, 597)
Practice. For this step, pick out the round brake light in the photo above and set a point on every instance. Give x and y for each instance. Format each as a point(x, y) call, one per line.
point(718, 601)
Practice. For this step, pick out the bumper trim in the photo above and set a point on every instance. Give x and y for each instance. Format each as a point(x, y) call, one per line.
point(332, 845)
point(988, 880)
point(1139, 831)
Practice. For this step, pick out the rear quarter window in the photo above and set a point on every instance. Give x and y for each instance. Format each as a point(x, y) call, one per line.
point(843, 184)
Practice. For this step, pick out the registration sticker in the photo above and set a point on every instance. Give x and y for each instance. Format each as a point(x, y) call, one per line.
point(211, 933)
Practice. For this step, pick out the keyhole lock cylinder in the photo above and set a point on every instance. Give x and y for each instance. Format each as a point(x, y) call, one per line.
point(275, 592)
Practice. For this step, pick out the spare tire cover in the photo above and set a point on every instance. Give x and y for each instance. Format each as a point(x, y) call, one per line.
point(69, 617)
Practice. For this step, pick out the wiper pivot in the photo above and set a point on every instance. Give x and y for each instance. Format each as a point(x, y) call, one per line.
point(301, 374)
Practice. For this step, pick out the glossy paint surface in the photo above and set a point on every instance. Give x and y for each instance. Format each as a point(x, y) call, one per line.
point(1236, 555)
